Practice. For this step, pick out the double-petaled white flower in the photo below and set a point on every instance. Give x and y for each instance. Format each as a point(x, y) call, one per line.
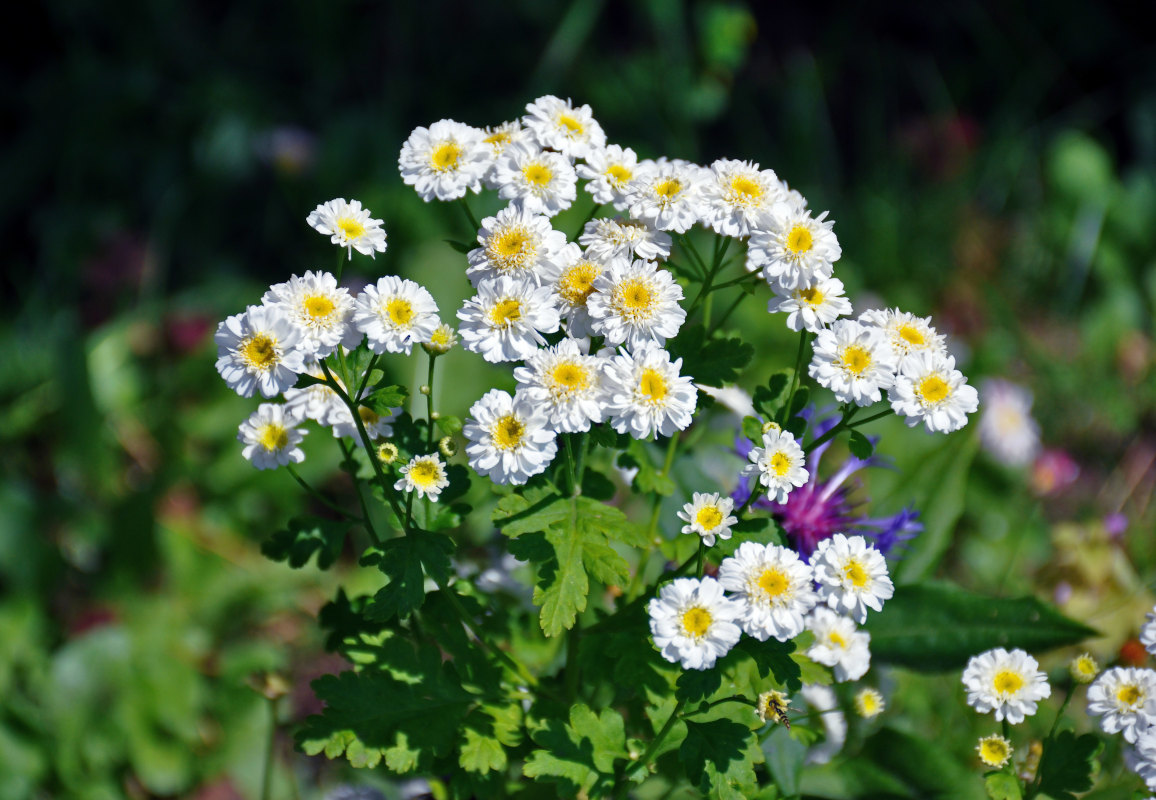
point(320, 308)
point(774, 587)
point(258, 350)
point(572, 275)
point(852, 575)
point(608, 170)
point(565, 384)
point(708, 516)
point(854, 361)
point(348, 225)
point(1125, 698)
point(271, 437)
point(607, 238)
point(558, 124)
point(792, 248)
point(505, 320)
point(839, 644)
point(736, 195)
point(693, 623)
point(907, 334)
point(929, 389)
point(540, 181)
point(644, 394)
point(666, 194)
point(516, 243)
point(509, 440)
point(317, 401)
point(425, 475)
point(778, 463)
point(395, 314)
point(445, 160)
point(635, 303)
point(1010, 684)
point(811, 306)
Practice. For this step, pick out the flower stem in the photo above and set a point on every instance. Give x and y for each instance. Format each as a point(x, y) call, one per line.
point(785, 414)
point(701, 553)
point(365, 377)
point(470, 215)
point(589, 217)
point(348, 453)
point(429, 403)
point(644, 760)
point(315, 494)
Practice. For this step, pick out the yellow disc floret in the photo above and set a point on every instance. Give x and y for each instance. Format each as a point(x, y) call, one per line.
point(932, 389)
point(652, 386)
point(577, 282)
point(911, 335)
point(800, 240)
point(273, 436)
point(812, 297)
point(318, 306)
point(506, 312)
point(260, 351)
point(635, 299)
point(708, 517)
point(745, 191)
point(696, 621)
point(855, 359)
point(508, 432)
point(853, 571)
point(537, 173)
point(400, 311)
point(1129, 694)
point(1007, 682)
point(618, 174)
point(350, 227)
point(445, 156)
point(774, 582)
point(425, 473)
point(780, 463)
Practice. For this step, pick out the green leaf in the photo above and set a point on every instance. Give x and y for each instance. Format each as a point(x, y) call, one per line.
point(1001, 786)
point(449, 425)
point(579, 755)
point(699, 684)
point(939, 627)
point(305, 536)
point(371, 717)
point(481, 753)
point(784, 757)
point(860, 446)
point(776, 659)
point(604, 436)
point(402, 560)
point(383, 400)
point(719, 757)
point(922, 764)
point(768, 398)
point(715, 362)
point(597, 486)
point(1067, 765)
point(649, 478)
point(753, 429)
point(461, 247)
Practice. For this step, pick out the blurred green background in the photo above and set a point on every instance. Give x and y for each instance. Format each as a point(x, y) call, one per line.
point(992, 164)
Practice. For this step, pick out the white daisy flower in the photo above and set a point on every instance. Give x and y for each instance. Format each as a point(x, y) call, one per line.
point(1010, 684)
point(907, 333)
point(693, 623)
point(540, 181)
point(1148, 632)
point(792, 248)
point(572, 277)
point(508, 438)
point(425, 475)
point(1007, 429)
point(515, 242)
point(608, 170)
point(441, 341)
point(564, 384)
point(557, 124)
point(1126, 699)
point(709, 516)
point(445, 160)
point(811, 306)
point(854, 362)
point(498, 137)
point(1144, 762)
point(869, 703)
point(666, 194)
point(644, 395)
point(271, 437)
point(930, 389)
point(635, 304)
point(852, 575)
point(774, 586)
point(320, 308)
point(258, 350)
point(377, 426)
point(505, 320)
point(348, 225)
point(316, 401)
point(607, 239)
point(736, 195)
point(779, 464)
point(839, 644)
point(395, 314)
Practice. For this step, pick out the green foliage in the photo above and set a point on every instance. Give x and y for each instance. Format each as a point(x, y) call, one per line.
point(1068, 764)
point(939, 627)
point(712, 362)
point(403, 561)
point(305, 536)
point(382, 400)
point(720, 757)
point(769, 397)
point(1002, 786)
point(649, 479)
point(860, 446)
point(579, 756)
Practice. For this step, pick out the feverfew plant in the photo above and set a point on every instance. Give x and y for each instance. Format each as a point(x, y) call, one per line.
point(538, 615)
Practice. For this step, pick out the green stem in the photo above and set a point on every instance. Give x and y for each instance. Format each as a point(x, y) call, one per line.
point(693, 251)
point(655, 511)
point(732, 699)
point(750, 276)
point(589, 217)
point(270, 745)
point(756, 490)
point(470, 215)
point(835, 431)
point(343, 255)
point(644, 759)
point(571, 466)
point(786, 412)
point(365, 377)
point(318, 495)
point(571, 668)
point(726, 314)
point(497, 653)
point(701, 553)
point(429, 403)
point(348, 453)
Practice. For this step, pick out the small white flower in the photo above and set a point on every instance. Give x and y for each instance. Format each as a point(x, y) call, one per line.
point(320, 308)
point(852, 575)
point(708, 515)
point(564, 384)
point(666, 194)
point(441, 341)
point(1007, 429)
point(425, 475)
point(869, 703)
point(930, 389)
point(508, 438)
point(377, 426)
point(1010, 684)
point(907, 334)
point(497, 138)
point(635, 304)
point(779, 464)
point(540, 181)
point(774, 586)
point(518, 243)
point(692, 622)
point(258, 351)
point(736, 195)
point(608, 170)
point(792, 248)
point(607, 239)
point(822, 699)
point(559, 125)
point(395, 314)
point(316, 401)
point(644, 395)
point(839, 644)
point(348, 225)
point(271, 437)
point(572, 277)
point(445, 160)
point(505, 320)
point(1144, 763)
point(811, 306)
point(1126, 699)
point(854, 362)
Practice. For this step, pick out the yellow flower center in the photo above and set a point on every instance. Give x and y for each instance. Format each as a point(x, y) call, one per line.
point(537, 174)
point(424, 474)
point(619, 174)
point(708, 517)
point(570, 377)
point(855, 359)
point(652, 386)
point(577, 282)
point(994, 751)
point(780, 464)
point(505, 312)
point(1007, 682)
point(696, 621)
point(445, 156)
point(912, 335)
point(854, 572)
point(1129, 694)
point(812, 297)
point(498, 139)
point(368, 415)
point(634, 298)
point(744, 190)
point(774, 582)
point(440, 338)
point(799, 240)
point(350, 227)
point(668, 188)
point(273, 436)
point(572, 124)
point(512, 248)
point(508, 432)
point(836, 638)
point(399, 311)
point(318, 306)
point(932, 389)
point(260, 351)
